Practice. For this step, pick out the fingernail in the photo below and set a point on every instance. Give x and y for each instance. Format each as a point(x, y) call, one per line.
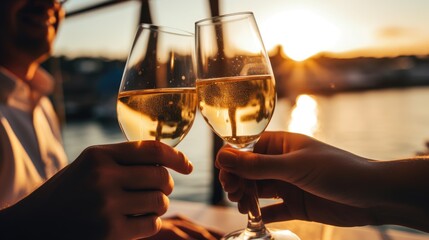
point(190, 164)
point(227, 159)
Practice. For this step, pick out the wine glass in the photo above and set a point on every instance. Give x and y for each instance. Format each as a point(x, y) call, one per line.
point(236, 96)
point(157, 98)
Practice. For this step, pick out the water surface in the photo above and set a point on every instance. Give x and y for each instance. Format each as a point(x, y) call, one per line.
point(382, 124)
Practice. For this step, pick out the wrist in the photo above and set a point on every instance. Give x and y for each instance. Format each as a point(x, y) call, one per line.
point(402, 193)
point(9, 224)
point(17, 222)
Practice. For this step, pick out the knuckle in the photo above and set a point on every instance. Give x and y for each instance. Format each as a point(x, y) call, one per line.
point(227, 184)
point(94, 170)
point(92, 156)
point(90, 151)
point(161, 202)
point(152, 225)
point(169, 186)
point(228, 187)
point(223, 176)
point(164, 179)
point(166, 203)
point(233, 197)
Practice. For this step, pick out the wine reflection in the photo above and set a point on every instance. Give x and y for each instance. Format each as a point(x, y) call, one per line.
point(304, 116)
point(237, 108)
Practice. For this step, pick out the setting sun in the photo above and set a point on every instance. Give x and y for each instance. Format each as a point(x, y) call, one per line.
point(301, 33)
point(304, 116)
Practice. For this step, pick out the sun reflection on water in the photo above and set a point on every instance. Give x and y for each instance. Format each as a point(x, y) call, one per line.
point(304, 116)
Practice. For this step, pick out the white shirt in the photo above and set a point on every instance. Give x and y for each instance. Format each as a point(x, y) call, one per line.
point(31, 148)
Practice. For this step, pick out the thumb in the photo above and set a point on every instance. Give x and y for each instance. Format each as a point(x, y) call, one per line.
point(252, 165)
point(147, 153)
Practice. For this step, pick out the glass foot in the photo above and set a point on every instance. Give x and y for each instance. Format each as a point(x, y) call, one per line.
point(275, 234)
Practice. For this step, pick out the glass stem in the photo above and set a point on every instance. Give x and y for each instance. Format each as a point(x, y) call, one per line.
point(255, 226)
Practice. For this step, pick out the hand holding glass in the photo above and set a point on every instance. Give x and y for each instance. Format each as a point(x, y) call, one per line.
point(236, 96)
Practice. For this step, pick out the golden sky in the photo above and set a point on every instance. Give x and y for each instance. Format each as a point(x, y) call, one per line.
point(346, 28)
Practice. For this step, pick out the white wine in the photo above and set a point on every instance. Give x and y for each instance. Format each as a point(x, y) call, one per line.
point(238, 108)
point(165, 115)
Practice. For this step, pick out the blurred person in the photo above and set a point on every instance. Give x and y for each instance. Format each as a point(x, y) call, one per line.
point(116, 191)
point(321, 183)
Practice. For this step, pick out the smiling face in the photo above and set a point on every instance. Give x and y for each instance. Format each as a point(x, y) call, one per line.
point(28, 28)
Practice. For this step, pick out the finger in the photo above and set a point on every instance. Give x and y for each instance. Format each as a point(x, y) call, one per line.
point(296, 204)
point(148, 153)
point(275, 143)
point(227, 146)
point(275, 213)
point(146, 177)
point(243, 206)
point(233, 185)
point(243, 164)
point(140, 227)
point(235, 196)
point(60, 14)
point(142, 203)
point(225, 159)
point(271, 188)
point(270, 143)
point(293, 199)
point(230, 182)
point(259, 166)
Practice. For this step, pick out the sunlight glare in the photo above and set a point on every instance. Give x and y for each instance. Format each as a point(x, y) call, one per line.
point(304, 116)
point(302, 33)
point(243, 42)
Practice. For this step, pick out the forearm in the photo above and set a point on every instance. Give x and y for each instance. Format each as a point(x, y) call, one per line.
point(404, 192)
point(10, 226)
point(16, 222)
